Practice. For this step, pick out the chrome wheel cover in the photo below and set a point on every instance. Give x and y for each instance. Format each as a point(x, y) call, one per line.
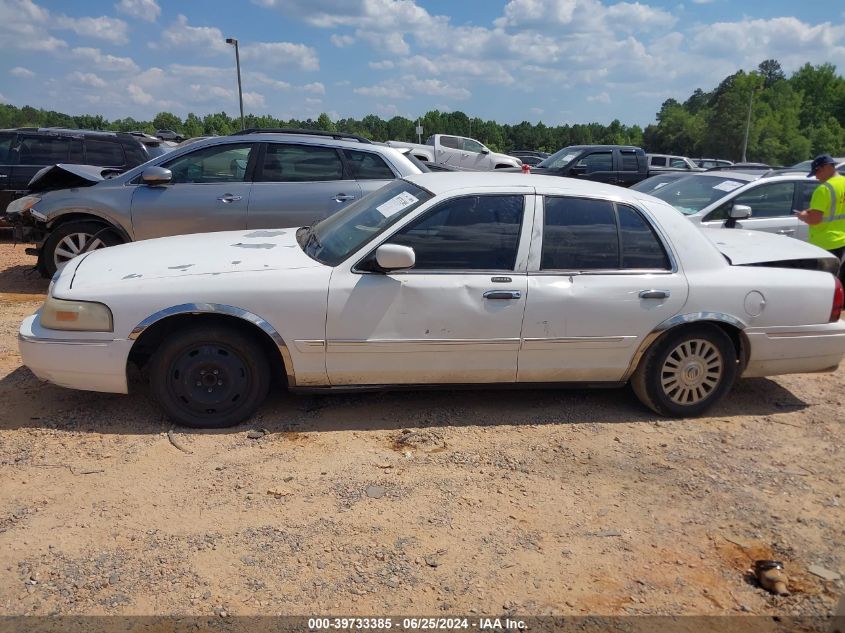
point(691, 372)
point(74, 244)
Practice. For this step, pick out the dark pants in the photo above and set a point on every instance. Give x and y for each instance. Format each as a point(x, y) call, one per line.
point(840, 253)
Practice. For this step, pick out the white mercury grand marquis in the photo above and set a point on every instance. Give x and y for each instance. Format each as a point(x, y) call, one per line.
point(450, 278)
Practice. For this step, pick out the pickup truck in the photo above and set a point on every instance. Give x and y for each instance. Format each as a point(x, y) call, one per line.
point(622, 165)
point(458, 152)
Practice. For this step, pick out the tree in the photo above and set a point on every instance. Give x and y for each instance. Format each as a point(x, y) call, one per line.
point(771, 72)
point(167, 121)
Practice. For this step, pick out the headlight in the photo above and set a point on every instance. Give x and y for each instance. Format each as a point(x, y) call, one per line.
point(22, 204)
point(82, 316)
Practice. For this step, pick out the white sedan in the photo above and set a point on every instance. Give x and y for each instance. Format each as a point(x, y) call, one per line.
point(453, 278)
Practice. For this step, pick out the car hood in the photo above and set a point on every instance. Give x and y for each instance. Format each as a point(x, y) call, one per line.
point(186, 255)
point(757, 247)
point(65, 176)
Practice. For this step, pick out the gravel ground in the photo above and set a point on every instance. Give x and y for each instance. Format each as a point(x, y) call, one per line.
point(449, 502)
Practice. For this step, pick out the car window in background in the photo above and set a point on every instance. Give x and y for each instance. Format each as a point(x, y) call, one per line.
point(678, 162)
point(153, 151)
point(805, 193)
point(451, 142)
point(773, 200)
point(469, 233)
point(367, 166)
point(285, 162)
point(104, 153)
point(597, 161)
point(220, 163)
point(629, 160)
point(658, 161)
point(43, 150)
point(6, 148)
point(560, 158)
point(691, 194)
point(472, 146)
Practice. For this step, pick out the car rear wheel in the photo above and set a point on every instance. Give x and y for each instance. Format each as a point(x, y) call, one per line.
point(72, 239)
point(209, 377)
point(686, 372)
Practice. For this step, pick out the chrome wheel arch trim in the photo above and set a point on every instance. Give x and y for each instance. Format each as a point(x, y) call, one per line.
point(682, 319)
point(222, 309)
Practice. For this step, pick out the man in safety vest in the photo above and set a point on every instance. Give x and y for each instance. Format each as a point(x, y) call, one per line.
point(826, 215)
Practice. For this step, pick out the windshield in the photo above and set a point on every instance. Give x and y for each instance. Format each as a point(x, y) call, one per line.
point(691, 194)
point(332, 240)
point(560, 158)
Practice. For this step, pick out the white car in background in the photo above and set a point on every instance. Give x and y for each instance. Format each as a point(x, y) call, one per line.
point(451, 278)
point(736, 199)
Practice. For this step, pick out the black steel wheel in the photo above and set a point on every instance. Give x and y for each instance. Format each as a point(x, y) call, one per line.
point(209, 376)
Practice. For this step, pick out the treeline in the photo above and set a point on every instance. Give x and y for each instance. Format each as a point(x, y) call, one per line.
point(791, 119)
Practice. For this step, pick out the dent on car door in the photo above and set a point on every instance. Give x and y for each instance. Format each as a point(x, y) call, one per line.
point(602, 280)
point(209, 191)
point(298, 185)
point(455, 317)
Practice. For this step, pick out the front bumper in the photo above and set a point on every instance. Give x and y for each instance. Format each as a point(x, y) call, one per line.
point(795, 350)
point(76, 362)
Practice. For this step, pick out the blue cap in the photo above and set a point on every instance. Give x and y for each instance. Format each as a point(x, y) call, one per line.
point(818, 161)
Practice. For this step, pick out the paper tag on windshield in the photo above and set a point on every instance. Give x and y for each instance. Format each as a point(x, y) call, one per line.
point(728, 185)
point(396, 204)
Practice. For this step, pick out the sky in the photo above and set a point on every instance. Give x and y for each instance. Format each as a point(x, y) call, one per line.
point(555, 61)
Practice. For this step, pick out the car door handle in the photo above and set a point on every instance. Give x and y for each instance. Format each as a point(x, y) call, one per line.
point(503, 294)
point(4, 176)
point(228, 198)
point(786, 231)
point(342, 197)
point(654, 294)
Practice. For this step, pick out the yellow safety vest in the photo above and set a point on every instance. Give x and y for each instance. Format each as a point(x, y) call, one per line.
point(829, 198)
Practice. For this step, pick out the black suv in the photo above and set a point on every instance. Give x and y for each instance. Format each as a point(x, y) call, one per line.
point(622, 165)
point(26, 150)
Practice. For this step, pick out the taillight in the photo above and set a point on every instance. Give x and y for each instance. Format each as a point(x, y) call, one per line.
point(838, 300)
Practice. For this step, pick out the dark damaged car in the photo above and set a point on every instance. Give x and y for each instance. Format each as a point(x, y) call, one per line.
point(250, 180)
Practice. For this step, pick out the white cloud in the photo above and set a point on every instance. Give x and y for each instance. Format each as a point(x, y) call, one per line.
point(142, 9)
point(282, 54)
point(104, 28)
point(703, 1)
point(313, 102)
point(382, 65)
point(104, 62)
point(180, 34)
point(23, 73)
point(342, 40)
point(314, 88)
point(138, 95)
point(88, 79)
point(263, 79)
point(601, 97)
point(4, 99)
point(254, 100)
point(23, 26)
point(409, 86)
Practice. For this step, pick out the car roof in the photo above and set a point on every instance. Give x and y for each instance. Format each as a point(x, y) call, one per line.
point(267, 137)
point(444, 182)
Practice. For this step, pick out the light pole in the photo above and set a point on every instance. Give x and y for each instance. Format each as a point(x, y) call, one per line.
point(748, 122)
point(234, 42)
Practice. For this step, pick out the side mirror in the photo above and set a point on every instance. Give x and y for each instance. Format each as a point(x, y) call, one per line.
point(156, 176)
point(485, 151)
point(578, 170)
point(395, 257)
point(740, 212)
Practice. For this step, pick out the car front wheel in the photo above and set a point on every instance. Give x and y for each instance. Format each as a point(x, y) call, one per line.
point(72, 239)
point(209, 376)
point(686, 372)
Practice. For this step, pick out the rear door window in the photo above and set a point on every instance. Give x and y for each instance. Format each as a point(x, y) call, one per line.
point(629, 160)
point(6, 141)
point(285, 162)
point(104, 153)
point(597, 161)
point(658, 161)
point(451, 142)
point(367, 165)
point(44, 150)
point(579, 234)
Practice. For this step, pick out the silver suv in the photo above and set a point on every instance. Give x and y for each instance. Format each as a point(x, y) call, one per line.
point(253, 179)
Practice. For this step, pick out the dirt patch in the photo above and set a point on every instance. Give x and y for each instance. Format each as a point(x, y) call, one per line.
point(487, 501)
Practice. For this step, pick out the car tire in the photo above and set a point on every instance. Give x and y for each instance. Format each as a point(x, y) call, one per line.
point(71, 239)
point(209, 376)
point(687, 371)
